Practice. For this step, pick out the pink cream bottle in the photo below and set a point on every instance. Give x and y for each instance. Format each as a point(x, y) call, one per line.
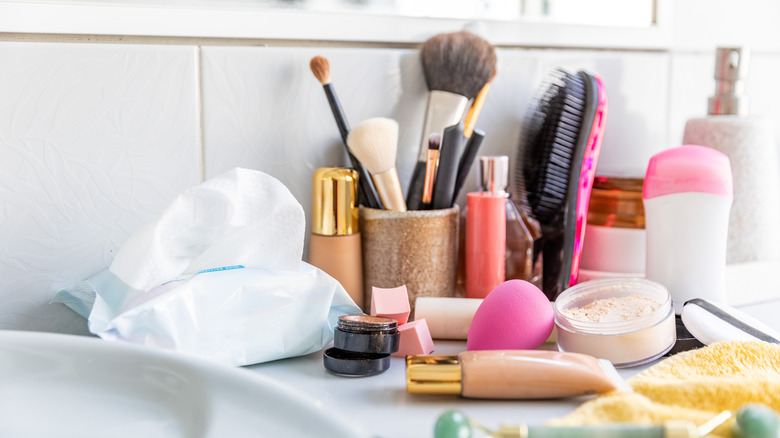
point(486, 230)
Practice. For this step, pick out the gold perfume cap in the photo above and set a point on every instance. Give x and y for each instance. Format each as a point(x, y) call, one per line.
point(433, 374)
point(334, 201)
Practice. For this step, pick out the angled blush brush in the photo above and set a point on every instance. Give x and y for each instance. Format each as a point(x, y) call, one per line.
point(456, 67)
point(366, 192)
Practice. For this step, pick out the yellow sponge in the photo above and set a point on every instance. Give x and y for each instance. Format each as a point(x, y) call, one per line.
point(693, 385)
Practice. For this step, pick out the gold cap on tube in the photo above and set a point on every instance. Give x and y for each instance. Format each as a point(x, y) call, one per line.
point(334, 201)
point(433, 374)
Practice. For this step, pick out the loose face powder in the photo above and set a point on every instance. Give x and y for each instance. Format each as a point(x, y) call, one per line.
point(614, 309)
point(628, 321)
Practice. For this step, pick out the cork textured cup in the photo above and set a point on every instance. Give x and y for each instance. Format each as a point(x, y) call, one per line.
point(416, 248)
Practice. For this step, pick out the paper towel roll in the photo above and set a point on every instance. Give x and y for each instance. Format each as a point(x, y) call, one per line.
point(749, 142)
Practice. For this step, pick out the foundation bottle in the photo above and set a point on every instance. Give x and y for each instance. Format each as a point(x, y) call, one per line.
point(334, 245)
point(522, 252)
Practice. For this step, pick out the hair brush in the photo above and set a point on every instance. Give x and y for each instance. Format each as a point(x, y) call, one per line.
point(560, 147)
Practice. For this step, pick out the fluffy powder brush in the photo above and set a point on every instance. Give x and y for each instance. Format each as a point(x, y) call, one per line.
point(456, 67)
point(375, 143)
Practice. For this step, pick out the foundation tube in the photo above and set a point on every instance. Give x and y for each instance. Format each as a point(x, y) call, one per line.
point(512, 374)
point(334, 245)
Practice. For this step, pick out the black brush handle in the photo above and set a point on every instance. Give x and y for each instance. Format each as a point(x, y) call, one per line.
point(467, 160)
point(416, 186)
point(449, 156)
point(367, 194)
point(370, 198)
point(338, 113)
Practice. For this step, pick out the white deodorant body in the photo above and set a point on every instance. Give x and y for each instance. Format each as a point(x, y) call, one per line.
point(687, 195)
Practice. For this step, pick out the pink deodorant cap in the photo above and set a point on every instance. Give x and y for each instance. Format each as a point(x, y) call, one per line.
point(516, 315)
point(390, 303)
point(688, 168)
point(415, 339)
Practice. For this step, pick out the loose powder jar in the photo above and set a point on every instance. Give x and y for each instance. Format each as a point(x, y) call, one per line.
point(628, 321)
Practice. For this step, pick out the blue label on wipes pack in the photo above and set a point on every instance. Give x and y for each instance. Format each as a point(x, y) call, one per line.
point(223, 268)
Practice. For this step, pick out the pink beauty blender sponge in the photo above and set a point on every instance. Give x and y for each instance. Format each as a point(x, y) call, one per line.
point(516, 315)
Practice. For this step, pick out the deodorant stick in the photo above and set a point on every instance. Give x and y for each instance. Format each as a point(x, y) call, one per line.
point(687, 195)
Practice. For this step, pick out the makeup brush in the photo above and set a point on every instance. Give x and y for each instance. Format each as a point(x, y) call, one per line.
point(476, 108)
point(434, 141)
point(456, 67)
point(466, 160)
point(375, 143)
point(449, 157)
point(366, 192)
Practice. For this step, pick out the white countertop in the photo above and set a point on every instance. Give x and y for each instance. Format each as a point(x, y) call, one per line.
point(381, 405)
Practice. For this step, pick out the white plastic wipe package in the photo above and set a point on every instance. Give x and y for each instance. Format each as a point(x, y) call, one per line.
point(218, 275)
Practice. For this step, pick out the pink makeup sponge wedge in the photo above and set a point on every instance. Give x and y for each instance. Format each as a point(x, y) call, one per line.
point(415, 339)
point(390, 303)
point(516, 315)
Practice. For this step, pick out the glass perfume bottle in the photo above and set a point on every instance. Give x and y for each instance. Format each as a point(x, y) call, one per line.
point(523, 259)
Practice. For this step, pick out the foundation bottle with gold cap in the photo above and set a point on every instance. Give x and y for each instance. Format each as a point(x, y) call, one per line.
point(334, 245)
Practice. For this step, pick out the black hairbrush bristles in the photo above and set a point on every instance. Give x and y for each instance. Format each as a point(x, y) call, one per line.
point(550, 138)
point(554, 175)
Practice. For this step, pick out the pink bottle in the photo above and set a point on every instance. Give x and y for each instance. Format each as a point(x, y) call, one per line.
point(486, 233)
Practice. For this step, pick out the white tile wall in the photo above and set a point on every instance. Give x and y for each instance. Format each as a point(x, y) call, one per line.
point(701, 25)
point(94, 141)
point(297, 134)
point(690, 86)
point(264, 109)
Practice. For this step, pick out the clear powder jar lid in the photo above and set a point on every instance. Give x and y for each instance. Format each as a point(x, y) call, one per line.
point(588, 292)
point(639, 325)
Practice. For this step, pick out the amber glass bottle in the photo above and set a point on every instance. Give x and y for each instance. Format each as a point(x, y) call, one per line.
point(523, 233)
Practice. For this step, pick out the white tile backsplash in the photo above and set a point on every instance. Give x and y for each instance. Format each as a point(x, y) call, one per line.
point(701, 25)
point(264, 109)
point(94, 141)
point(296, 134)
point(690, 86)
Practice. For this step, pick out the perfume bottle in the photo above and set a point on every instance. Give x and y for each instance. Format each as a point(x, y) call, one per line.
point(523, 252)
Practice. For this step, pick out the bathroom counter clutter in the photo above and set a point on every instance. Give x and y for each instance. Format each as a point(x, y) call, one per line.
point(381, 406)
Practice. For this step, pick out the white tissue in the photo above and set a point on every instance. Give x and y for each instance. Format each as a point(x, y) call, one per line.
point(218, 275)
point(242, 217)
